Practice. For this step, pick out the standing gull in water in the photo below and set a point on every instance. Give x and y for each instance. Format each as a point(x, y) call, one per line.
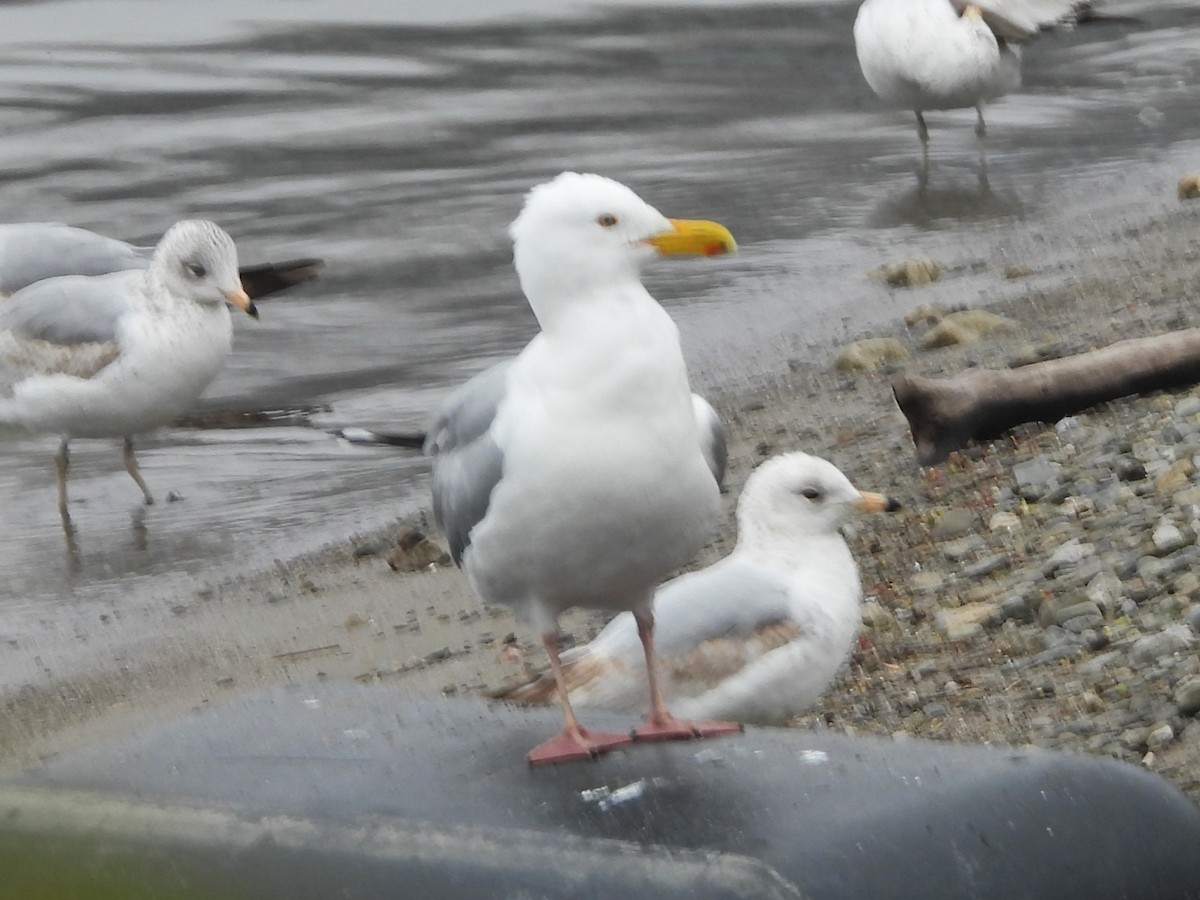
point(950, 54)
point(577, 477)
point(757, 636)
point(120, 354)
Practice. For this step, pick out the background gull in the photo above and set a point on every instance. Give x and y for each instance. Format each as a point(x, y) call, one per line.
point(576, 477)
point(116, 355)
point(757, 636)
point(950, 54)
point(33, 251)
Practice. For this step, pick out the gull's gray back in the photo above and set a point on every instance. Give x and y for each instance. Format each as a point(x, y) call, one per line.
point(72, 309)
point(31, 252)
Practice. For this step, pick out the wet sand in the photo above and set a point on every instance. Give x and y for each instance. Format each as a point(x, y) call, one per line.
point(342, 614)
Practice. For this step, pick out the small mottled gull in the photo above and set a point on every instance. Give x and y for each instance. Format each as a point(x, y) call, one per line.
point(577, 476)
point(33, 251)
point(120, 354)
point(759, 635)
point(950, 54)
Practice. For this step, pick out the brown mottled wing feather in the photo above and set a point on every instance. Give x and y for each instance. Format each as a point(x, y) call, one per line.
point(694, 672)
point(585, 670)
point(20, 359)
point(718, 659)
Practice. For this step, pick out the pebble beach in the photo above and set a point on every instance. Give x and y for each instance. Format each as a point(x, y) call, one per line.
point(1039, 589)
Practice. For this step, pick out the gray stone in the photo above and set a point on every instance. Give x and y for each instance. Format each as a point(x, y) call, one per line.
point(1160, 735)
point(1151, 568)
point(962, 548)
point(1039, 471)
point(962, 623)
point(1096, 640)
point(1067, 555)
point(1192, 617)
point(1153, 647)
point(1187, 696)
point(1168, 538)
point(876, 617)
point(1187, 407)
point(925, 582)
point(954, 523)
point(986, 567)
point(1135, 738)
point(1100, 662)
point(1084, 624)
point(1004, 520)
point(1053, 655)
point(1130, 470)
point(1105, 590)
point(1015, 607)
point(1075, 610)
point(925, 668)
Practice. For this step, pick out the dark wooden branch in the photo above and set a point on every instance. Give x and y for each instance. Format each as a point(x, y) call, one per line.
point(944, 414)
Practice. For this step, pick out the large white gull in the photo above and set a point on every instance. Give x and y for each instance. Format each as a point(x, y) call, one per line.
point(759, 635)
point(120, 354)
point(579, 478)
point(949, 54)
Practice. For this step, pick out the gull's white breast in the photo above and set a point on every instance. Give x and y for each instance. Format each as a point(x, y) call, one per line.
point(605, 490)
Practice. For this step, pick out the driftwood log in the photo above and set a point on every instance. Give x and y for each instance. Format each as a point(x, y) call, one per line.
point(945, 413)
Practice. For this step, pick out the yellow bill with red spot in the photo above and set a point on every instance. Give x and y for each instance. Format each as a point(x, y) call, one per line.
point(693, 237)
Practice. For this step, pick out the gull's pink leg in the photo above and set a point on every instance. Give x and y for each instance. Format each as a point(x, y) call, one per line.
point(575, 741)
point(660, 725)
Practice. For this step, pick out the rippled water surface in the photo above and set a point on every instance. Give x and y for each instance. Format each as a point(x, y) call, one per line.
point(395, 140)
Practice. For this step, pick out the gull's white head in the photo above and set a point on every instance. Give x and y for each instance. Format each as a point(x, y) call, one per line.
point(196, 259)
point(580, 232)
point(795, 495)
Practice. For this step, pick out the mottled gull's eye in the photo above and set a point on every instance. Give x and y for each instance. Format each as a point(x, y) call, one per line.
point(608, 220)
point(197, 270)
point(810, 493)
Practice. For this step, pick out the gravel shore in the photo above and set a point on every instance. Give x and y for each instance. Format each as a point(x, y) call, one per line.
point(1041, 589)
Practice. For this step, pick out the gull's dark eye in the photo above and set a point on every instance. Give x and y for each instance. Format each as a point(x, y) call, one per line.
point(608, 220)
point(197, 270)
point(810, 493)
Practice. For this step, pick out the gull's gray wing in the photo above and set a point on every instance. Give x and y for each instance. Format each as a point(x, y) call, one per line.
point(1019, 21)
point(712, 438)
point(31, 252)
point(72, 309)
point(730, 599)
point(708, 626)
point(467, 462)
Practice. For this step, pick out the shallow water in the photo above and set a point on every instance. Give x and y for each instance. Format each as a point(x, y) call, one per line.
point(396, 143)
